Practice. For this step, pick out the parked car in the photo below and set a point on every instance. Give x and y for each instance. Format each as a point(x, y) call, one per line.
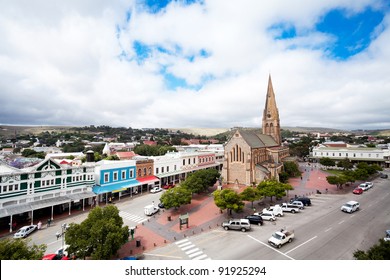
point(237, 224)
point(298, 203)
point(281, 237)
point(161, 205)
point(384, 176)
point(387, 235)
point(23, 232)
point(358, 190)
point(305, 200)
point(255, 219)
point(288, 207)
point(276, 210)
point(364, 187)
point(150, 210)
point(156, 190)
point(55, 257)
point(266, 216)
point(369, 184)
point(350, 206)
point(167, 187)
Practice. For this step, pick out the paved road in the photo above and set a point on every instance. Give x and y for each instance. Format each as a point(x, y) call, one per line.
point(322, 232)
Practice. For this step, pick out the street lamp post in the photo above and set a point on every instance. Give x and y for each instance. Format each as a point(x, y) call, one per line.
point(63, 228)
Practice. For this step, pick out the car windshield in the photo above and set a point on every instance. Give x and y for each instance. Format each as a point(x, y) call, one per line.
point(277, 236)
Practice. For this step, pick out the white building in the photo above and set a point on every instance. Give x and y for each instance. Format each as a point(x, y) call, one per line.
point(356, 154)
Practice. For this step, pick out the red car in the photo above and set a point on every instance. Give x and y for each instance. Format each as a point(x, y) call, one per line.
point(55, 257)
point(166, 187)
point(358, 190)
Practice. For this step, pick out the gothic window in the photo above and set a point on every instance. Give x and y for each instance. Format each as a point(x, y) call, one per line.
point(242, 157)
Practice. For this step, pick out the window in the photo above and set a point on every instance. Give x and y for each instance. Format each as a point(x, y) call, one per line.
point(106, 178)
point(144, 171)
point(156, 170)
point(162, 169)
point(194, 161)
point(115, 176)
point(123, 175)
point(139, 172)
point(150, 171)
point(184, 162)
point(131, 175)
point(189, 161)
point(167, 168)
point(174, 168)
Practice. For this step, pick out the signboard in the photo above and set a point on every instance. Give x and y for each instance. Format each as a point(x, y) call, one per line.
point(183, 220)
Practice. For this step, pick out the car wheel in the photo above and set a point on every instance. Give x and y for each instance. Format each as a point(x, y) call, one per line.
point(243, 229)
point(290, 240)
point(279, 246)
point(293, 211)
point(259, 224)
point(226, 228)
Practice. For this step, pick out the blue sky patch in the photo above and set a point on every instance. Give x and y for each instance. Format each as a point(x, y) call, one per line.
point(349, 33)
point(353, 33)
point(155, 6)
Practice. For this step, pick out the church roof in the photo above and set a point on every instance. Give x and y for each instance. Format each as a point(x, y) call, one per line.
point(257, 140)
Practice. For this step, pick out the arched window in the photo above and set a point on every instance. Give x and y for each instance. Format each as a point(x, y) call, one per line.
point(144, 171)
point(139, 172)
point(150, 171)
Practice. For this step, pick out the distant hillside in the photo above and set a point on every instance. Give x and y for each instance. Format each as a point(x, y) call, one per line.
point(201, 131)
point(11, 130)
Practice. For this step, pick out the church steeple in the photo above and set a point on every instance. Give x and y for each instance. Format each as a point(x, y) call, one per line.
point(271, 122)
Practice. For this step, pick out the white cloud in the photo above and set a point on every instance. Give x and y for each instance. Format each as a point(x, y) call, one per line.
point(60, 64)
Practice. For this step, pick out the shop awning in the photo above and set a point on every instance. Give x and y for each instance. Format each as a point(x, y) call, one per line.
point(148, 179)
point(115, 187)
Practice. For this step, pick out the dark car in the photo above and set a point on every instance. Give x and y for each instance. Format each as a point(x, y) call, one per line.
point(255, 219)
point(305, 200)
point(384, 176)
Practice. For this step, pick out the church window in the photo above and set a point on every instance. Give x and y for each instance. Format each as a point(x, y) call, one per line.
point(242, 157)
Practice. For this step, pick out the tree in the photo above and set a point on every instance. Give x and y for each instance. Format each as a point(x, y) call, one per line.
point(346, 164)
point(337, 180)
point(327, 161)
point(99, 236)
point(292, 169)
point(201, 180)
point(250, 194)
point(380, 251)
point(18, 249)
point(271, 188)
point(176, 197)
point(228, 199)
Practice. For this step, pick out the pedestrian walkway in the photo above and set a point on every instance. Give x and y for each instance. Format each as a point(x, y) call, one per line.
point(131, 217)
point(191, 250)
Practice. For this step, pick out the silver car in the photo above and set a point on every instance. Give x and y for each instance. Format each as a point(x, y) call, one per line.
point(25, 231)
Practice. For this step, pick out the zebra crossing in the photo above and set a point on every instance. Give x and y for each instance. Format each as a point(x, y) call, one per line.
point(131, 217)
point(191, 250)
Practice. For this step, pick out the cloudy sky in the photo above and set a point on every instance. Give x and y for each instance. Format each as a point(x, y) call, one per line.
point(176, 64)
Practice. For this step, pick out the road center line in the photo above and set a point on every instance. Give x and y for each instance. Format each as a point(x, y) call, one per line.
point(341, 222)
point(301, 244)
point(328, 229)
point(270, 247)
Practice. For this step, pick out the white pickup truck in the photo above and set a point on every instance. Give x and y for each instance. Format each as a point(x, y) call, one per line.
point(286, 207)
point(281, 237)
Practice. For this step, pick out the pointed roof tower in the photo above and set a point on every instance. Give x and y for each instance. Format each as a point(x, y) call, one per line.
point(271, 122)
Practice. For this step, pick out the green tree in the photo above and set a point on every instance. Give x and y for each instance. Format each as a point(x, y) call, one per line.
point(228, 199)
point(201, 180)
point(380, 251)
point(337, 180)
point(327, 161)
point(271, 188)
point(176, 197)
point(346, 164)
point(99, 236)
point(291, 168)
point(19, 249)
point(250, 194)
point(194, 183)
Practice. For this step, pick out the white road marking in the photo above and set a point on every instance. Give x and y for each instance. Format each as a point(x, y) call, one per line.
point(301, 244)
point(328, 229)
point(270, 247)
point(158, 255)
point(341, 222)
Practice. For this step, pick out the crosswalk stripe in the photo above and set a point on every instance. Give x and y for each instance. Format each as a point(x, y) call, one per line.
point(181, 241)
point(192, 250)
point(131, 217)
point(183, 244)
point(200, 257)
point(187, 247)
point(195, 254)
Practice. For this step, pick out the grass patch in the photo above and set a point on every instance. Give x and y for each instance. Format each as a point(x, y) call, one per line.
point(335, 172)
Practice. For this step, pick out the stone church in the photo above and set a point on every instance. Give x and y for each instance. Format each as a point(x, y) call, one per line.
point(252, 156)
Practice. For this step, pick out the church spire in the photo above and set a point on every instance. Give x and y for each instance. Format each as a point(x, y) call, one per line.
point(271, 122)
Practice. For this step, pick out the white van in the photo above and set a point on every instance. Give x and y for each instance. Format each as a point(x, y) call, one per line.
point(276, 210)
point(151, 210)
point(350, 206)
